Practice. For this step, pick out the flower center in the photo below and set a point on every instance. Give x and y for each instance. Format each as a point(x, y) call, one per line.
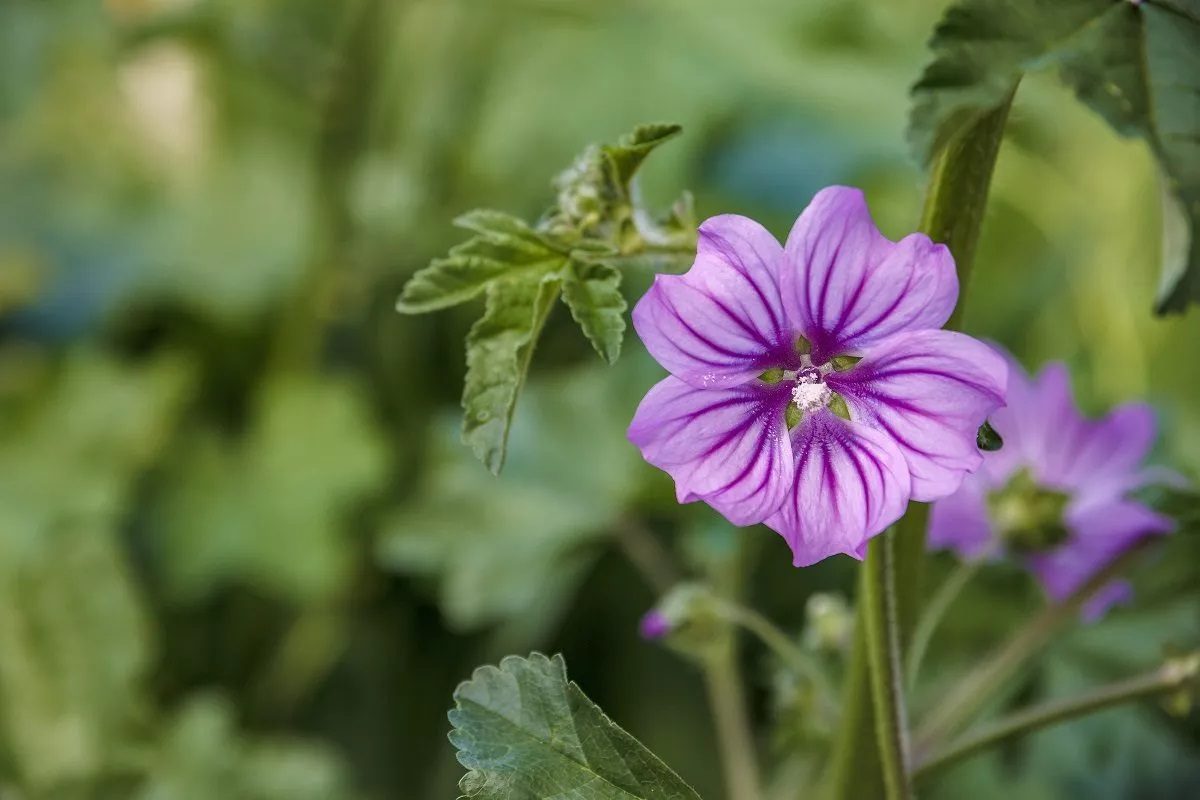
point(1028, 517)
point(809, 391)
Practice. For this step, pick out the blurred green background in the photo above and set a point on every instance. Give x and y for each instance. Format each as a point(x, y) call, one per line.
point(242, 554)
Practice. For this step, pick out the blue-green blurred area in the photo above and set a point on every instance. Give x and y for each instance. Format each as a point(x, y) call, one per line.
point(242, 553)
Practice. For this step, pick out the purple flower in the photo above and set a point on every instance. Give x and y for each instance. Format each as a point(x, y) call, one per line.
point(810, 388)
point(1056, 494)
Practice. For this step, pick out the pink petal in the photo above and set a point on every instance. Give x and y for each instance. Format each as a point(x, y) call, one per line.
point(846, 286)
point(850, 483)
point(1099, 533)
point(722, 322)
point(960, 522)
point(929, 391)
point(1106, 460)
point(727, 447)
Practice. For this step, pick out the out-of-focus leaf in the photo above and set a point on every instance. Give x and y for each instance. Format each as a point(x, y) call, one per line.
point(524, 730)
point(499, 349)
point(593, 292)
point(513, 549)
point(1136, 64)
point(72, 628)
point(270, 510)
point(504, 247)
point(204, 756)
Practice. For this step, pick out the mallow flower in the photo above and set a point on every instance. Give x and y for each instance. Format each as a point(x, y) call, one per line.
point(810, 387)
point(1056, 496)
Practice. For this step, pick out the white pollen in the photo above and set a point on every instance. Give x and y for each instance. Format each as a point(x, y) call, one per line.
point(809, 396)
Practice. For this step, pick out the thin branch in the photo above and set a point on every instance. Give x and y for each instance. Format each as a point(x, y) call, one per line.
point(974, 690)
point(739, 760)
point(935, 610)
point(785, 649)
point(1171, 677)
point(647, 555)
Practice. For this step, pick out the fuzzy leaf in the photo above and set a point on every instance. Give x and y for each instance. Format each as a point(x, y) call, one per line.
point(523, 730)
point(504, 246)
point(499, 348)
point(628, 154)
point(1138, 66)
point(592, 290)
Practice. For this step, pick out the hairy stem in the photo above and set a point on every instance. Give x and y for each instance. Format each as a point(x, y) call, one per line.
point(953, 212)
point(960, 704)
point(877, 598)
point(1171, 677)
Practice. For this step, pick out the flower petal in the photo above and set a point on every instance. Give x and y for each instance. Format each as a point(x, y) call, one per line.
point(960, 522)
point(1105, 460)
point(1099, 533)
point(929, 391)
point(728, 447)
point(846, 286)
point(850, 483)
point(722, 322)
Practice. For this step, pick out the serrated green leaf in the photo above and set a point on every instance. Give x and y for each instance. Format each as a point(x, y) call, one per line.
point(504, 247)
point(499, 348)
point(1138, 66)
point(523, 730)
point(592, 290)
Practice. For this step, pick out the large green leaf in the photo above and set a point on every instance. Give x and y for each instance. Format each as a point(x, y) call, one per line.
point(499, 349)
point(593, 292)
point(504, 246)
point(525, 731)
point(1138, 65)
point(271, 509)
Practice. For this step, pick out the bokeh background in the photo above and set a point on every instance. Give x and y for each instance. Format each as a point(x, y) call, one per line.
point(242, 554)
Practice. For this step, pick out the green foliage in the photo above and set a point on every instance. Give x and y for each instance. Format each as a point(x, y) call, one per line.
point(202, 755)
point(499, 350)
point(73, 631)
point(523, 730)
point(270, 510)
point(504, 247)
point(596, 223)
point(1138, 66)
point(513, 550)
point(593, 292)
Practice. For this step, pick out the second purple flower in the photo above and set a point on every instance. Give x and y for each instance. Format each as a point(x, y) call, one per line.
point(811, 388)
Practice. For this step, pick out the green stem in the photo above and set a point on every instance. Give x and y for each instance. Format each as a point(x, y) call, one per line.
point(935, 610)
point(960, 704)
point(785, 649)
point(1171, 677)
point(647, 554)
point(953, 212)
point(877, 598)
point(739, 761)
